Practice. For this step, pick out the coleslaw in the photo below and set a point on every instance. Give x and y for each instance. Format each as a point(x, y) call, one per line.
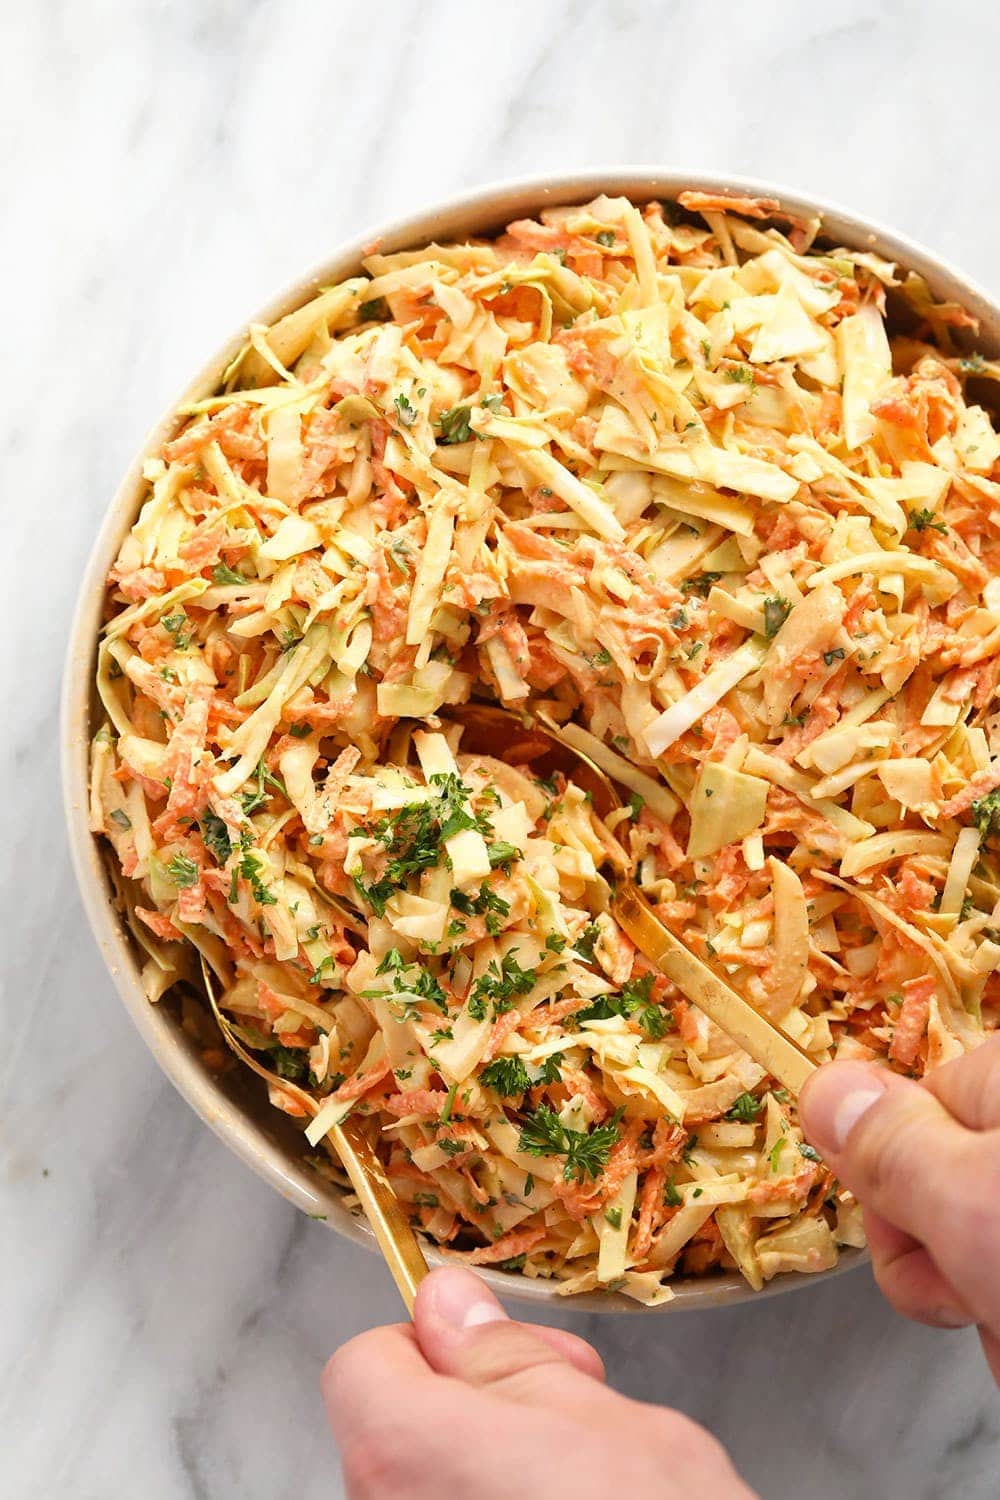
point(667, 473)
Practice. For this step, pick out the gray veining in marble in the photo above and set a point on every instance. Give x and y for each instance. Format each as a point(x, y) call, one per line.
point(163, 1315)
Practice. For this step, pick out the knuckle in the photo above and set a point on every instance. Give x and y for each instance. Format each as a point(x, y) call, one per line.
point(504, 1352)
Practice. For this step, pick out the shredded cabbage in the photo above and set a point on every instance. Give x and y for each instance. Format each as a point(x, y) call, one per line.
point(677, 488)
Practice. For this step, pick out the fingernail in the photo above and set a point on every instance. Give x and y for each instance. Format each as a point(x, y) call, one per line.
point(460, 1299)
point(834, 1100)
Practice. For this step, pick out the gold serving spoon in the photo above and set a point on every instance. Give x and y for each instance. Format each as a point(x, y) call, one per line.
point(347, 1141)
point(537, 740)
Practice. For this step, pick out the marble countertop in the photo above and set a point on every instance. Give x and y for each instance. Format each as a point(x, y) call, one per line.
point(163, 1315)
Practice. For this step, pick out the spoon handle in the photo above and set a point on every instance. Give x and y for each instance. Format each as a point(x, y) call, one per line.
point(767, 1045)
point(383, 1210)
point(388, 1219)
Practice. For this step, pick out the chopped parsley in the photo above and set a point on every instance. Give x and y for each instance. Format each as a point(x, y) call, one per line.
point(502, 855)
point(584, 944)
point(182, 870)
point(412, 837)
point(776, 612)
point(174, 626)
point(635, 1000)
point(375, 311)
point(449, 1105)
point(122, 819)
point(506, 1076)
point(222, 573)
point(636, 803)
point(925, 520)
point(746, 1109)
point(550, 1071)
point(406, 412)
point(671, 1196)
point(409, 979)
point(701, 584)
point(215, 836)
point(837, 654)
point(809, 1152)
point(454, 425)
point(605, 237)
point(586, 1151)
point(249, 868)
point(487, 904)
point(291, 1063)
point(986, 814)
point(250, 801)
point(741, 375)
point(501, 984)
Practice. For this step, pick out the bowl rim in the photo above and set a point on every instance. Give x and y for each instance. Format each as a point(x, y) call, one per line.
point(480, 210)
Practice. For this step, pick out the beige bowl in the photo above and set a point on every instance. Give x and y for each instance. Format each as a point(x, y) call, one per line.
point(237, 1109)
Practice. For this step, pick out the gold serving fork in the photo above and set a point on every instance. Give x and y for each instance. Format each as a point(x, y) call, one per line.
point(385, 1214)
point(537, 740)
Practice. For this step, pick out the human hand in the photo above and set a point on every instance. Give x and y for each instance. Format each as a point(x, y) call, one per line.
point(923, 1159)
point(466, 1402)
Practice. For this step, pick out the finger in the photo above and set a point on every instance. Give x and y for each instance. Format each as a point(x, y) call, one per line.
point(394, 1419)
point(571, 1347)
point(368, 1374)
point(464, 1332)
point(905, 1157)
point(908, 1278)
point(880, 1133)
point(969, 1087)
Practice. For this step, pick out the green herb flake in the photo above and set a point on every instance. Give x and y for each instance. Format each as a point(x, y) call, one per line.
point(406, 412)
point(745, 1109)
point(926, 520)
point(182, 870)
point(776, 612)
point(375, 311)
point(586, 1152)
point(506, 1076)
point(701, 584)
point(454, 426)
point(986, 814)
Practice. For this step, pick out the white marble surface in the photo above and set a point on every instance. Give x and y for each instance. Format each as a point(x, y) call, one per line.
point(163, 1315)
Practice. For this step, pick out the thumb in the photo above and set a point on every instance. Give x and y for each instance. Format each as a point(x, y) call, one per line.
point(907, 1159)
point(464, 1332)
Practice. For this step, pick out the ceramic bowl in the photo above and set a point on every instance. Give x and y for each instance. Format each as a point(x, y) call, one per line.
point(237, 1108)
